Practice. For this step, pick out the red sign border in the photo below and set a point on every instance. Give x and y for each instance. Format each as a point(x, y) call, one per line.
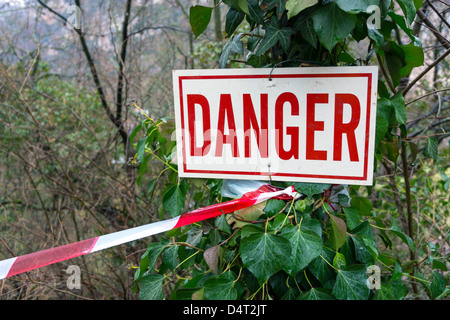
point(262, 76)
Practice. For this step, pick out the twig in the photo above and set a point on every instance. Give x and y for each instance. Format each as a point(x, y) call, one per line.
point(424, 72)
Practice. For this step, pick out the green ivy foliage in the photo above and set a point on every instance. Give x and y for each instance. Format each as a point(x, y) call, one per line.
point(317, 247)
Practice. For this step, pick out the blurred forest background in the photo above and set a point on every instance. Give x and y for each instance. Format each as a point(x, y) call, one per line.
point(66, 118)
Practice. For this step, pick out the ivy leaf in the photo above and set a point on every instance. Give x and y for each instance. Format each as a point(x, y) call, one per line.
point(399, 107)
point(405, 238)
point(352, 217)
point(257, 61)
point(400, 21)
point(264, 254)
point(394, 105)
point(255, 11)
point(273, 206)
point(233, 20)
point(170, 258)
point(310, 189)
point(148, 259)
point(382, 126)
point(247, 215)
point(438, 285)
point(339, 261)
point(239, 5)
point(362, 204)
point(221, 287)
point(140, 149)
point(307, 31)
point(233, 45)
point(376, 36)
point(351, 284)
point(151, 287)
point(338, 232)
point(356, 6)
point(413, 57)
point(332, 24)
point(267, 5)
point(194, 236)
point(173, 199)
point(211, 256)
point(273, 35)
point(409, 9)
point(431, 149)
point(391, 290)
point(320, 268)
point(199, 18)
point(318, 294)
point(306, 245)
point(294, 7)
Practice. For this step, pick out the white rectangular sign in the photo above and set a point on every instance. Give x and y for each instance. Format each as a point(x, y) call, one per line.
point(289, 124)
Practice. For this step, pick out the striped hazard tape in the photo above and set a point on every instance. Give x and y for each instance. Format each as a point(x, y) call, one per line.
point(246, 194)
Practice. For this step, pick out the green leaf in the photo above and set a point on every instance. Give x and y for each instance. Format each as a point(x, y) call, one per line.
point(382, 126)
point(221, 287)
point(151, 287)
point(405, 238)
point(318, 294)
point(399, 107)
point(306, 245)
point(173, 200)
point(233, 20)
point(148, 259)
point(320, 268)
point(305, 25)
point(211, 256)
point(438, 285)
point(351, 284)
point(273, 206)
point(257, 61)
point(409, 9)
point(267, 5)
point(255, 12)
point(194, 236)
point(362, 204)
point(199, 18)
point(352, 217)
point(151, 187)
point(140, 149)
point(394, 105)
point(376, 36)
point(240, 5)
point(233, 45)
point(294, 7)
point(339, 261)
point(264, 254)
point(431, 149)
point(332, 24)
point(356, 6)
point(170, 258)
point(273, 35)
point(391, 290)
point(414, 58)
point(310, 189)
point(338, 232)
point(400, 21)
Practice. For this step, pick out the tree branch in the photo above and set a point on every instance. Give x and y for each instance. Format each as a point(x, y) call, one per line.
point(433, 29)
point(424, 72)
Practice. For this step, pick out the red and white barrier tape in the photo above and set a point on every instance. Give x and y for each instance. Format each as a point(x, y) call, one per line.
point(258, 193)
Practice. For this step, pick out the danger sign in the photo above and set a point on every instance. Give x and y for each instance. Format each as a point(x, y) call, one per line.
point(289, 124)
